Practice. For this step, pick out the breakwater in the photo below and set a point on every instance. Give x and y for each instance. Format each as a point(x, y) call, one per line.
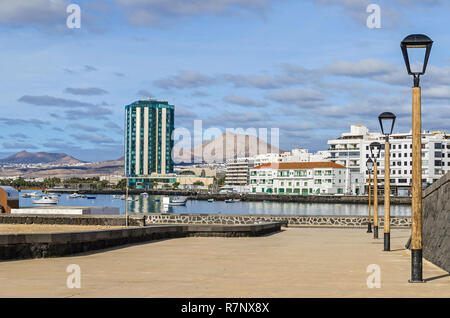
point(202, 195)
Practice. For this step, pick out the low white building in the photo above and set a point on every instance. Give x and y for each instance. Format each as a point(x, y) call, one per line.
point(303, 178)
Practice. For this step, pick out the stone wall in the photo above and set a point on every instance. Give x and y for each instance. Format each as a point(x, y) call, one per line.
point(436, 223)
point(287, 220)
point(136, 219)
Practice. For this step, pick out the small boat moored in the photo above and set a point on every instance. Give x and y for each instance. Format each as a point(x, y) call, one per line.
point(46, 200)
point(178, 201)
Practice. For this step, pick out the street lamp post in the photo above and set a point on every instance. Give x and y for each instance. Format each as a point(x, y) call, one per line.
point(387, 121)
point(375, 148)
point(411, 45)
point(369, 164)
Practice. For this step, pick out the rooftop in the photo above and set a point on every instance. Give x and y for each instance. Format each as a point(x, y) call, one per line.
point(299, 165)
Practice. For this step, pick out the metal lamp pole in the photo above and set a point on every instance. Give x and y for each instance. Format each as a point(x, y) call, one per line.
point(410, 43)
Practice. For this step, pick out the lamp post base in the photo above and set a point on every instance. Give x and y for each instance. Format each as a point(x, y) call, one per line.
point(375, 232)
point(387, 241)
point(369, 227)
point(416, 266)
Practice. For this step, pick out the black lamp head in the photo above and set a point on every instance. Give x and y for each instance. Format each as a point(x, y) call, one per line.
point(387, 121)
point(416, 41)
point(369, 165)
point(375, 149)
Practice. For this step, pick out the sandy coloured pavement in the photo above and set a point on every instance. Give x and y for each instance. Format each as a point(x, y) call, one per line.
point(297, 262)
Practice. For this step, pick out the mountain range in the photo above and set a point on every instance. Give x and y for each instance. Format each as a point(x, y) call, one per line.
point(25, 157)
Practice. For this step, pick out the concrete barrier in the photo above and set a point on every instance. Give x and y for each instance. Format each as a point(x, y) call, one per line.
point(39, 245)
point(436, 223)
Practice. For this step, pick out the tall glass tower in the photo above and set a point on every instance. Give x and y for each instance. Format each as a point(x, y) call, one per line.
point(148, 144)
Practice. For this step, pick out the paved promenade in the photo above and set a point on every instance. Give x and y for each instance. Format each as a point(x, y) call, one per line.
point(298, 262)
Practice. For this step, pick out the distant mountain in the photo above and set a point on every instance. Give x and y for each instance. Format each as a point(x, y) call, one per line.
point(25, 157)
point(226, 146)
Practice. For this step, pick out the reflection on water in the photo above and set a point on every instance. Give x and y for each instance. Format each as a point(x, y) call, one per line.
point(149, 205)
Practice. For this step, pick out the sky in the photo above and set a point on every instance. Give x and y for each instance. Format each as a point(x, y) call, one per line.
point(311, 68)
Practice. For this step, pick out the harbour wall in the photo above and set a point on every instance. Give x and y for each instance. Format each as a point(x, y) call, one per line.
point(201, 195)
point(436, 223)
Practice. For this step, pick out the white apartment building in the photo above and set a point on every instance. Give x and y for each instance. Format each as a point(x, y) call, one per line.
point(352, 150)
point(302, 178)
point(237, 173)
point(237, 170)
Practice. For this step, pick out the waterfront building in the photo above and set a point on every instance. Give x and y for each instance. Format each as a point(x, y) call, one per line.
point(352, 150)
point(303, 178)
point(238, 170)
point(148, 143)
point(237, 173)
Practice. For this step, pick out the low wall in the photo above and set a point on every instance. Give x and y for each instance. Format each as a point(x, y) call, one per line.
point(38, 245)
point(287, 220)
point(136, 219)
point(436, 223)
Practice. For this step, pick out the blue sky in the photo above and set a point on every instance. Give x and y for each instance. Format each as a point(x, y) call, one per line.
point(311, 68)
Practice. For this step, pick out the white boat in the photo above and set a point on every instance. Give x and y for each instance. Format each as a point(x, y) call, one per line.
point(116, 197)
point(35, 195)
point(130, 199)
point(26, 195)
point(178, 201)
point(145, 194)
point(46, 200)
point(229, 201)
point(75, 195)
point(123, 197)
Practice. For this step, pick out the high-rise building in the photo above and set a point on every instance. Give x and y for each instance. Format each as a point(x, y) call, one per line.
point(148, 141)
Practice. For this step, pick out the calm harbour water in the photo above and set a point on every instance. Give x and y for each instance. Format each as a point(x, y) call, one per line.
point(148, 205)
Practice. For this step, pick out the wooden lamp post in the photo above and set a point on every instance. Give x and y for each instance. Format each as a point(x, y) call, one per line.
point(375, 148)
point(369, 165)
point(387, 121)
point(411, 45)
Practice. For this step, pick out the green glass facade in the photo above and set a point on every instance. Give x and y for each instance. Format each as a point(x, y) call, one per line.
point(148, 139)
